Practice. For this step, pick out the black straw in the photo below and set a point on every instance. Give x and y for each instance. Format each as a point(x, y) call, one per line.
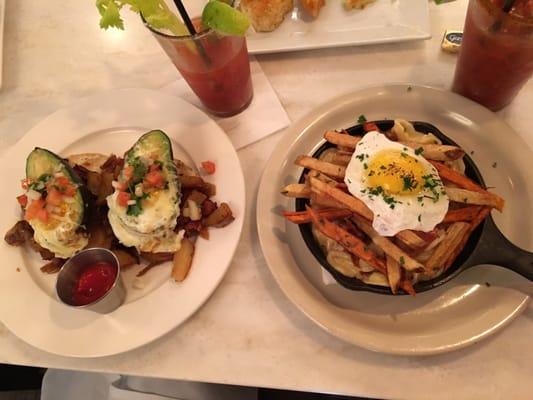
point(185, 17)
point(192, 30)
point(507, 5)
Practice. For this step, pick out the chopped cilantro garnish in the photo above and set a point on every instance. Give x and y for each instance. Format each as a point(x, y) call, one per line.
point(371, 173)
point(360, 157)
point(419, 151)
point(409, 183)
point(139, 168)
point(361, 119)
point(135, 209)
point(365, 166)
point(402, 260)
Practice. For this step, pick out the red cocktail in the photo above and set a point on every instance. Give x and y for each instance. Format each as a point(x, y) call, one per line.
point(496, 57)
point(216, 67)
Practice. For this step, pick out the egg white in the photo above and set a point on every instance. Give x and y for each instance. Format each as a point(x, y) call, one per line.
point(153, 229)
point(408, 212)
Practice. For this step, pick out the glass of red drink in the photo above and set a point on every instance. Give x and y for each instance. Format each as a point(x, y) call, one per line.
point(215, 65)
point(496, 56)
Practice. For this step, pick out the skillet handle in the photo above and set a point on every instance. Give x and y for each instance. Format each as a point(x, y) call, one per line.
point(494, 248)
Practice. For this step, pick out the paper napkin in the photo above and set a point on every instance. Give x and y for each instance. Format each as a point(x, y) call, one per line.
point(264, 116)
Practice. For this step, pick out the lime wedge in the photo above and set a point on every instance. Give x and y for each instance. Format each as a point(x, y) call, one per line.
point(224, 18)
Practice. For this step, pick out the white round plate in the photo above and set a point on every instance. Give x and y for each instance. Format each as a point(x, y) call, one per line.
point(450, 317)
point(110, 123)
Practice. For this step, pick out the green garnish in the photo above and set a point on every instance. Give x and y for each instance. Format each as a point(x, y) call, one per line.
point(361, 119)
point(40, 184)
point(402, 260)
point(139, 169)
point(155, 12)
point(409, 183)
point(419, 151)
point(216, 15)
point(222, 17)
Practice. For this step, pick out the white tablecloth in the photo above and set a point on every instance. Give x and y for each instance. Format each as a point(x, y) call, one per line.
point(249, 333)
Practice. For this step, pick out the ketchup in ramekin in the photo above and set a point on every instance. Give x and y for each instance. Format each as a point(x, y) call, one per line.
point(93, 283)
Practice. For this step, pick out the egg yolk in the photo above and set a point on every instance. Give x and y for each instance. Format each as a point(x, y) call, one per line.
point(395, 172)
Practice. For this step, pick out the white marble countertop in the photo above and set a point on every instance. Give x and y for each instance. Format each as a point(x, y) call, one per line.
point(249, 333)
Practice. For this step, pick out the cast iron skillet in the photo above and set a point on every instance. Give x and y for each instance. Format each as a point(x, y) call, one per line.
point(486, 245)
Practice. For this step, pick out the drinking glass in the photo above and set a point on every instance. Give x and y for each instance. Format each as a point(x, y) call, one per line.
point(216, 67)
point(496, 56)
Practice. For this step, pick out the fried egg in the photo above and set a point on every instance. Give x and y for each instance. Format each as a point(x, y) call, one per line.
point(403, 190)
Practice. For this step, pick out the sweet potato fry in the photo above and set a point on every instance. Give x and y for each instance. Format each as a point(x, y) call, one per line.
point(183, 260)
point(350, 242)
point(407, 286)
point(342, 139)
point(472, 197)
point(462, 214)
point(303, 217)
point(330, 169)
point(390, 249)
point(452, 239)
point(348, 200)
point(219, 218)
point(297, 190)
point(455, 177)
point(438, 152)
point(394, 274)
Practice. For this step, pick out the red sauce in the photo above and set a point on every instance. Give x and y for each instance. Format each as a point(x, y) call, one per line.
point(496, 56)
point(94, 282)
point(225, 85)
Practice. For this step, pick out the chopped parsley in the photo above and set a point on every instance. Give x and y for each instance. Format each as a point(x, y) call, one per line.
point(371, 173)
point(419, 151)
point(403, 154)
point(361, 119)
point(402, 261)
point(431, 183)
point(360, 157)
point(365, 166)
point(409, 183)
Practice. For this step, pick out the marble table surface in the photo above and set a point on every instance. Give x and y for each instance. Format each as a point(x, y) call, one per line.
point(248, 333)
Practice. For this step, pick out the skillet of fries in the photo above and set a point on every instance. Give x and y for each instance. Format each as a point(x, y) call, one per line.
point(340, 229)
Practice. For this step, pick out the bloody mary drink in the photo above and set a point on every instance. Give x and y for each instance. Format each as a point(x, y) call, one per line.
point(496, 56)
point(216, 67)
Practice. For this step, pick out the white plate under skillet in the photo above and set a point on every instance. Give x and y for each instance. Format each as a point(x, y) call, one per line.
point(452, 316)
point(110, 123)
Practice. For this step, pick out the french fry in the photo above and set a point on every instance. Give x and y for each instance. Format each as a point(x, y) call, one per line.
point(319, 199)
point(394, 274)
point(341, 158)
point(463, 214)
point(463, 182)
point(452, 240)
point(407, 286)
point(219, 218)
point(53, 266)
point(182, 261)
point(478, 198)
point(342, 139)
point(405, 260)
point(411, 239)
point(303, 217)
point(330, 169)
point(297, 190)
point(438, 152)
point(346, 199)
point(350, 242)
point(485, 211)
